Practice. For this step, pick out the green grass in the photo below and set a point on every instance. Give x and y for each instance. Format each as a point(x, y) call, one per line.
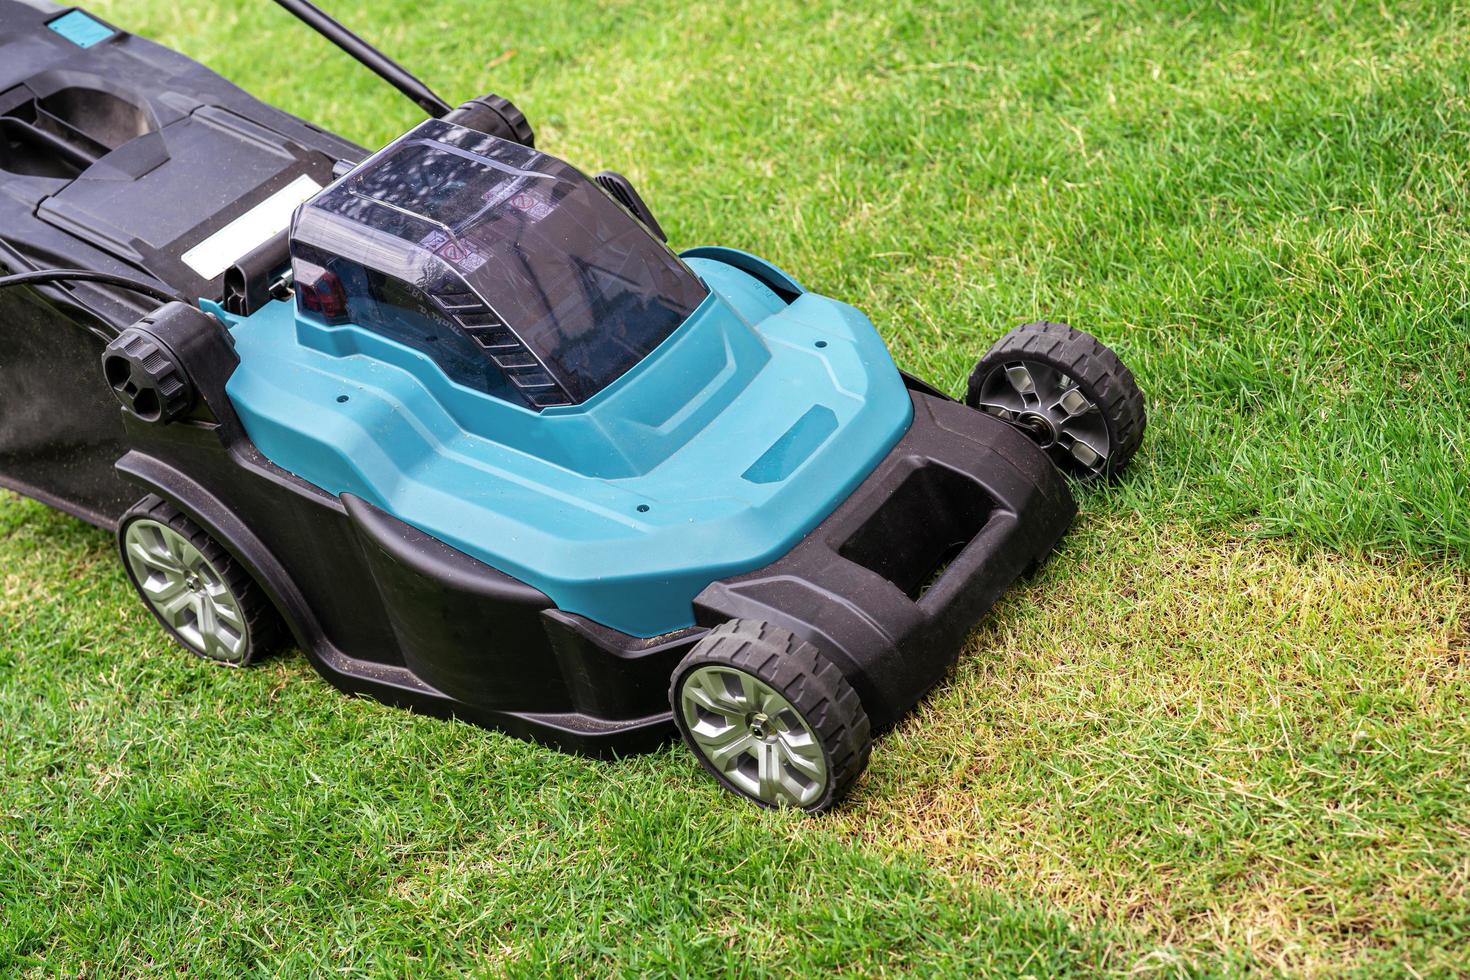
point(1183, 747)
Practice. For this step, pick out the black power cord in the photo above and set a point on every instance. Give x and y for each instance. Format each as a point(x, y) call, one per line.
point(43, 276)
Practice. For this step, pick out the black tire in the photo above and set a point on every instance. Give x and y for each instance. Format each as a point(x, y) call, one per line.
point(220, 583)
point(1061, 354)
point(827, 709)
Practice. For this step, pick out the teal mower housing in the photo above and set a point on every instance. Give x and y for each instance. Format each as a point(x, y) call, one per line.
point(455, 419)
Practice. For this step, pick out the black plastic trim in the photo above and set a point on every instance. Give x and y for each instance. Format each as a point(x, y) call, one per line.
point(893, 641)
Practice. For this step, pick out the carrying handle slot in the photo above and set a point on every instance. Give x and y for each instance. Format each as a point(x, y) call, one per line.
point(923, 526)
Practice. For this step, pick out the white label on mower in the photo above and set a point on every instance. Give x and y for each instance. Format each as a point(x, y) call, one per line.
point(211, 257)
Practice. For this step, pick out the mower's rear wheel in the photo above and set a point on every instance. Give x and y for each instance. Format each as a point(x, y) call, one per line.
point(197, 592)
point(1067, 391)
point(769, 717)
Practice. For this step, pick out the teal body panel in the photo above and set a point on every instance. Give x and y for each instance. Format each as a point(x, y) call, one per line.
point(711, 457)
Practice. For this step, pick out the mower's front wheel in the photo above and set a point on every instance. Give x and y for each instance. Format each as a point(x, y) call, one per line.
point(769, 717)
point(199, 594)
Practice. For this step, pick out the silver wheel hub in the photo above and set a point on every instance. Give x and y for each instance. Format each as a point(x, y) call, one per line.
point(753, 736)
point(186, 591)
point(1049, 405)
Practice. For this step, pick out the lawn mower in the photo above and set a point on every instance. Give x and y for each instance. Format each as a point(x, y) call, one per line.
point(454, 418)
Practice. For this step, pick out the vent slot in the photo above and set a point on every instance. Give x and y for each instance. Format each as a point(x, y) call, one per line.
point(517, 363)
point(914, 535)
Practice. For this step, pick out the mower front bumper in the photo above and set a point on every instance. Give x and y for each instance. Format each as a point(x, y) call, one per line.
point(890, 584)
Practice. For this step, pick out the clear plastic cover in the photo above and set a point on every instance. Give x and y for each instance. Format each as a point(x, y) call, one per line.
point(519, 275)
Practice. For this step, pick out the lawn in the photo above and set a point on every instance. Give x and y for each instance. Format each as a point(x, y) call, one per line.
point(1226, 729)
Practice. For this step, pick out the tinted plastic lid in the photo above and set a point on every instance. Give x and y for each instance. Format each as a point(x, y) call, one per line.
point(542, 275)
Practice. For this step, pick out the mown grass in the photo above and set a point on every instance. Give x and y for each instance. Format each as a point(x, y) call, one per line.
point(1181, 748)
point(1214, 743)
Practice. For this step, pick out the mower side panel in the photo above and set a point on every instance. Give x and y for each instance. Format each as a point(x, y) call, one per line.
point(889, 586)
point(385, 611)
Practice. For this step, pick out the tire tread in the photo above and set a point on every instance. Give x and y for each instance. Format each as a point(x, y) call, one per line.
point(1096, 368)
point(806, 678)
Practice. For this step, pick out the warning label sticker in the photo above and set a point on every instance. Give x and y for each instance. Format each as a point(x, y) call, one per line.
point(458, 254)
